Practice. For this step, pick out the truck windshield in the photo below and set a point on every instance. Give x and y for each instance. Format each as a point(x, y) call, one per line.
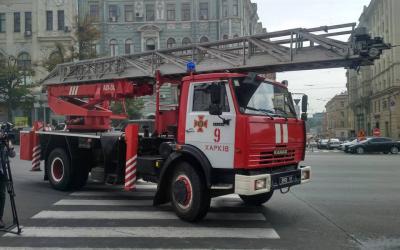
point(263, 98)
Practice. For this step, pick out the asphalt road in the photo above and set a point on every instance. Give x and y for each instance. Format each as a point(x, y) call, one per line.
point(353, 202)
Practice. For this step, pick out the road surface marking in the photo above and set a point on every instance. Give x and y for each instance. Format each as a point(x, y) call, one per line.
point(75, 202)
point(149, 232)
point(113, 194)
point(142, 215)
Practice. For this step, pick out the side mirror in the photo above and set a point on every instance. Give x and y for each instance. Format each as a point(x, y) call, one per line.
point(215, 91)
point(215, 109)
point(304, 104)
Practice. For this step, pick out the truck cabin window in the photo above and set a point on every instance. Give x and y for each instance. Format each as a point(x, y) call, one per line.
point(263, 98)
point(202, 98)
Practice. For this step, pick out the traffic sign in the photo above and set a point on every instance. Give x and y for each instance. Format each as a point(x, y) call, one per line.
point(376, 132)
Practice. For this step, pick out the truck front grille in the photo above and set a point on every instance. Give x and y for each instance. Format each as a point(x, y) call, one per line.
point(270, 157)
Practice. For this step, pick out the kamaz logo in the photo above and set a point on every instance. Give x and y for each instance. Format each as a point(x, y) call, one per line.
point(109, 87)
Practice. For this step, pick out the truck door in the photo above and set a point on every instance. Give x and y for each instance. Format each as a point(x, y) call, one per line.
point(208, 132)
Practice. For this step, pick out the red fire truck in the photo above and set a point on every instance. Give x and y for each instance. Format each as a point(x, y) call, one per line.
point(233, 131)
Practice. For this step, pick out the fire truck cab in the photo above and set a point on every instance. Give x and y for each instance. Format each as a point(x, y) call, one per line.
point(236, 133)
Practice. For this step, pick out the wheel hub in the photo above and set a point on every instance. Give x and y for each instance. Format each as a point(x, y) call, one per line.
point(182, 191)
point(57, 169)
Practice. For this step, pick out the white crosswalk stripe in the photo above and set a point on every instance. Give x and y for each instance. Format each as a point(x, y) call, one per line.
point(142, 215)
point(149, 232)
point(108, 213)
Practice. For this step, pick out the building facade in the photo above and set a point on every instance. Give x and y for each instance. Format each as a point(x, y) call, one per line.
point(374, 91)
point(337, 117)
point(29, 30)
point(134, 26)
point(141, 25)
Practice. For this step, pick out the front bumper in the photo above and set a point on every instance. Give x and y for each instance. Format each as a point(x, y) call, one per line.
point(264, 183)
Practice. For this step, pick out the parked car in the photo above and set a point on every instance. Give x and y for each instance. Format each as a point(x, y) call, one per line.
point(322, 143)
point(376, 144)
point(333, 143)
point(345, 146)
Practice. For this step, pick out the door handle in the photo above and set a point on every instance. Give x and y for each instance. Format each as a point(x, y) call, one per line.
point(190, 130)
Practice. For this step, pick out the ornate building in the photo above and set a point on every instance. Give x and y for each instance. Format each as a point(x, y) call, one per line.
point(29, 30)
point(142, 25)
point(374, 91)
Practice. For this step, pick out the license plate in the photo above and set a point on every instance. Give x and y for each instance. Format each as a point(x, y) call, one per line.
point(286, 180)
point(280, 152)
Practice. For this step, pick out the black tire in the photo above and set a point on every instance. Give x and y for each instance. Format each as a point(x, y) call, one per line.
point(59, 170)
point(190, 196)
point(81, 174)
point(256, 200)
point(394, 150)
point(360, 150)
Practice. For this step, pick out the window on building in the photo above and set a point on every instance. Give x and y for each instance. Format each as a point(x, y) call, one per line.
point(60, 20)
point(128, 46)
point(17, 22)
point(171, 12)
point(202, 98)
point(28, 21)
point(129, 13)
point(24, 61)
point(2, 22)
point(49, 20)
point(384, 104)
point(203, 15)
point(171, 42)
point(342, 113)
point(150, 14)
point(186, 12)
point(342, 124)
point(204, 39)
point(224, 8)
point(113, 13)
point(186, 41)
point(94, 12)
point(113, 47)
point(150, 44)
point(342, 104)
point(235, 7)
point(387, 129)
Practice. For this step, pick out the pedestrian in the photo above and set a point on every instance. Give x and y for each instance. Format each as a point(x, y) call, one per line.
point(3, 182)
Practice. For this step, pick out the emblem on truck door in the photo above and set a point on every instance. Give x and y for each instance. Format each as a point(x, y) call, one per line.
point(200, 123)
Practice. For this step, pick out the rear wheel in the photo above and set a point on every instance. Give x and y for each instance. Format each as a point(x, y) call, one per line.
point(256, 200)
point(59, 171)
point(360, 150)
point(190, 197)
point(394, 150)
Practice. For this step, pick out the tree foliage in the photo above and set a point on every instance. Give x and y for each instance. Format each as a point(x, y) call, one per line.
point(13, 92)
point(133, 108)
point(86, 36)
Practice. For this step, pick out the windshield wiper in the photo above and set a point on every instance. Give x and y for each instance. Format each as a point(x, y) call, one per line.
point(265, 111)
point(284, 114)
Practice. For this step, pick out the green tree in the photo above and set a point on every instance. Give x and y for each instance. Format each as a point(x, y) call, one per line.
point(13, 92)
point(133, 108)
point(86, 36)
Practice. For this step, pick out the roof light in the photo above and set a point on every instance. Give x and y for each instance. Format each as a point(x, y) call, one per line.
point(191, 66)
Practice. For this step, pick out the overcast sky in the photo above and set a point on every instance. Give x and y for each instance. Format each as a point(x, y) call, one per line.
point(286, 14)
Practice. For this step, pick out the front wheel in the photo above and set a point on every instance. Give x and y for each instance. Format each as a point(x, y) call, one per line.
point(256, 200)
point(360, 150)
point(190, 196)
point(394, 150)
